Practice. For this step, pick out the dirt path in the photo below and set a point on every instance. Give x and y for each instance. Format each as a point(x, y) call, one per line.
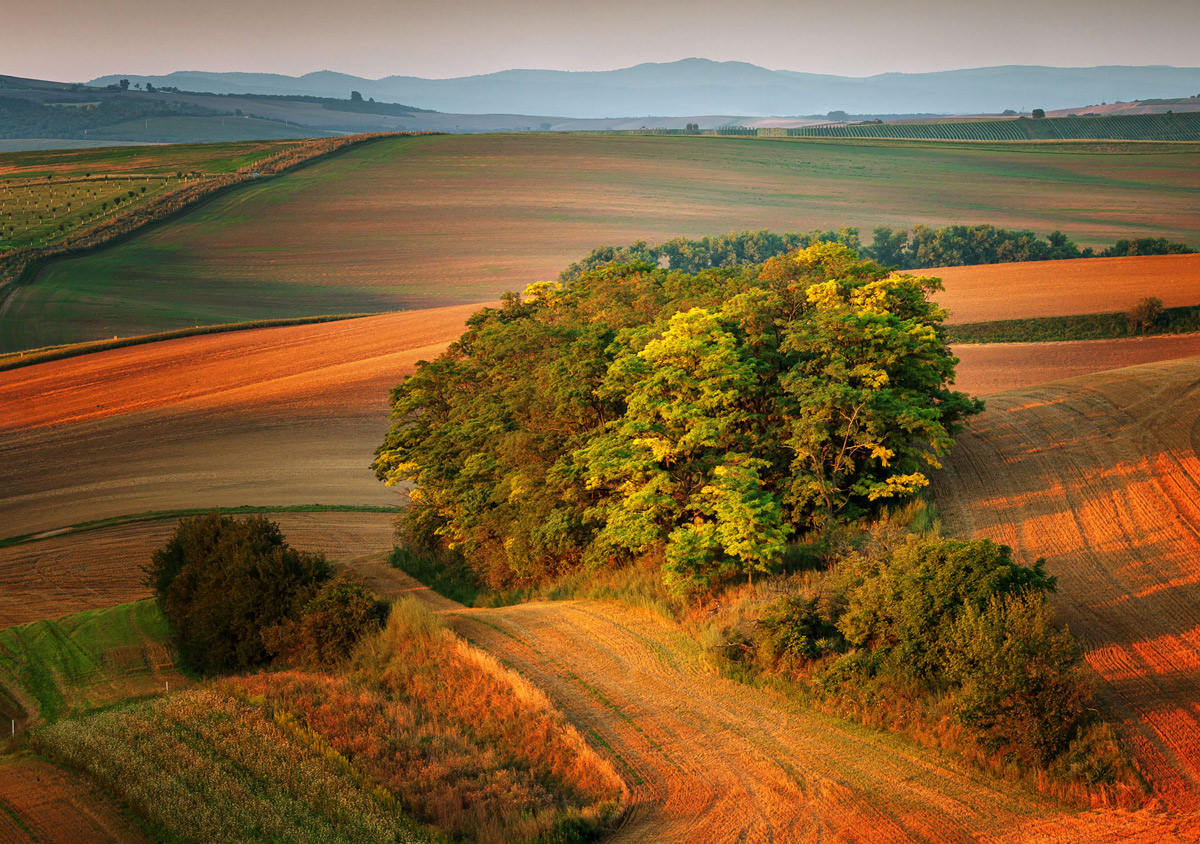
point(1101, 476)
point(707, 759)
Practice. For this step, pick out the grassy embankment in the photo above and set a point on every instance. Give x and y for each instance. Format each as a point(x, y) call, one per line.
point(1108, 326)
point(455, 219)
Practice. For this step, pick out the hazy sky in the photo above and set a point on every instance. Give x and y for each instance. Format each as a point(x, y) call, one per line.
point(76, 40)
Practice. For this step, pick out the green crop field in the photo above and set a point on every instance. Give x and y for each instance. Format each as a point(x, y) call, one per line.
point(1117, 127)
point(425, 221)
point(46, 195)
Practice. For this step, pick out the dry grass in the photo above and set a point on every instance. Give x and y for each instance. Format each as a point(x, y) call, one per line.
point(1101, 476)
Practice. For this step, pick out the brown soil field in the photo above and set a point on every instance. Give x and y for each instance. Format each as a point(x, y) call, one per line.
point(58, 575)
point(268, 417)
point(1101, 476)
point(708, 759)
point(1063, 288)
point(56, 807)
point(984, 369)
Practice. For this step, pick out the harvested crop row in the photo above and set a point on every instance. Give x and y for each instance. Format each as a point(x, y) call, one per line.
point(1100, 475)
point(56, 807)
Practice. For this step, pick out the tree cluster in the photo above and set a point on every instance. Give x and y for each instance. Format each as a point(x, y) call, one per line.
point(26, 119)
point(921, 247)
point(702, 419)
point(237, 595)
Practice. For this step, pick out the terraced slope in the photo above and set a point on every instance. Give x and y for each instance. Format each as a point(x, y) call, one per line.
point(1101, 476)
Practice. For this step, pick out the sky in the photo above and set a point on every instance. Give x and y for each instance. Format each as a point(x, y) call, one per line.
point(78, 40)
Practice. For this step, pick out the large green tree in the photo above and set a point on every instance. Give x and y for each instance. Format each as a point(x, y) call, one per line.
point(700, 418)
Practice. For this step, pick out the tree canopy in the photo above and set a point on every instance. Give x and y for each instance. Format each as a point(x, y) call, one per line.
point(705, 419)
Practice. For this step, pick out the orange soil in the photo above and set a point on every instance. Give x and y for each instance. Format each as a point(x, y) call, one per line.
point(1063, 288)
point(57, 808)
point(271, 417)
point(1101, 476)
point(707, 759)
point(995, 367)
point(52, 577)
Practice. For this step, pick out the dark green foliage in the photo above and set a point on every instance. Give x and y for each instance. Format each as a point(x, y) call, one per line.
point(224, 581)
point(330, 624)
point(1021, 684)
point(1081, 327)
point(907, 602)
point(1145, 246)
point(686, 417)
point(795, 631)
point(923, 247)
point(447, 574)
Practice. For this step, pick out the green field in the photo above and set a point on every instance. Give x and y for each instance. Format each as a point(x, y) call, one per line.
point(1118, 127)
point(426, 221)
point(47, 195)
point(84, 660)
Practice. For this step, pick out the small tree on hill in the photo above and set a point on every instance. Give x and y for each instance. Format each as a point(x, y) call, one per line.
point(1038, 114)
point(1145, 314)
point(224, 581)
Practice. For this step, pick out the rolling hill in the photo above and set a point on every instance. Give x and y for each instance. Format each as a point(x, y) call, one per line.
point(418, 222)
point(701, 86)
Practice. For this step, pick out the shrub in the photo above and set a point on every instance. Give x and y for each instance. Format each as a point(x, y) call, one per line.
point(331, 624)
point(1145, 314)
point(224, 581)
point(1022, 686)
point(794, 631)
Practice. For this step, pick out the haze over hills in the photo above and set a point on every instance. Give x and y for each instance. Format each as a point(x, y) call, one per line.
point(701, 86)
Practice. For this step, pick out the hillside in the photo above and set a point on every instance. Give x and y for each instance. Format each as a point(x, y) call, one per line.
point(1100, 475)
point(700, 86)
point(440, 220)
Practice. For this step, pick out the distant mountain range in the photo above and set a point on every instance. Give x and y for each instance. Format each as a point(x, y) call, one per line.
point(700, 86)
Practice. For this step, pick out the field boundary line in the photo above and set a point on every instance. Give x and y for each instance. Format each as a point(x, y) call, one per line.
point(163, 515)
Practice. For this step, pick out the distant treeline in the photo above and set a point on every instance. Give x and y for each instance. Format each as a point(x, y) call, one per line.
point(25, 119)
point(922, 247)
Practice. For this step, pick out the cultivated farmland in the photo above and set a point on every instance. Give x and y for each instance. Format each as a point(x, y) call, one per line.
point(42, 803)
point(1101, 475)
point(71, 572)
point(429, 221)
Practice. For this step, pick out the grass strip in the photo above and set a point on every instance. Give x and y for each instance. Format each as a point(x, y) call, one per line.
point(1111, 326)
point(161, 515)
point(15, 360)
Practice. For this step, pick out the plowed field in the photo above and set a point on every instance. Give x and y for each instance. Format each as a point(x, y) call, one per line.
point(707, 759)
point(51, 577)
point(1064, 288)
point(1101, 476)
point(267, 417)
point(40, 803)
point(992, 368)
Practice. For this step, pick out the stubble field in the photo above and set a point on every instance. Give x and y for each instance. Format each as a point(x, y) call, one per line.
point(431, 221)
point(1101, 475)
